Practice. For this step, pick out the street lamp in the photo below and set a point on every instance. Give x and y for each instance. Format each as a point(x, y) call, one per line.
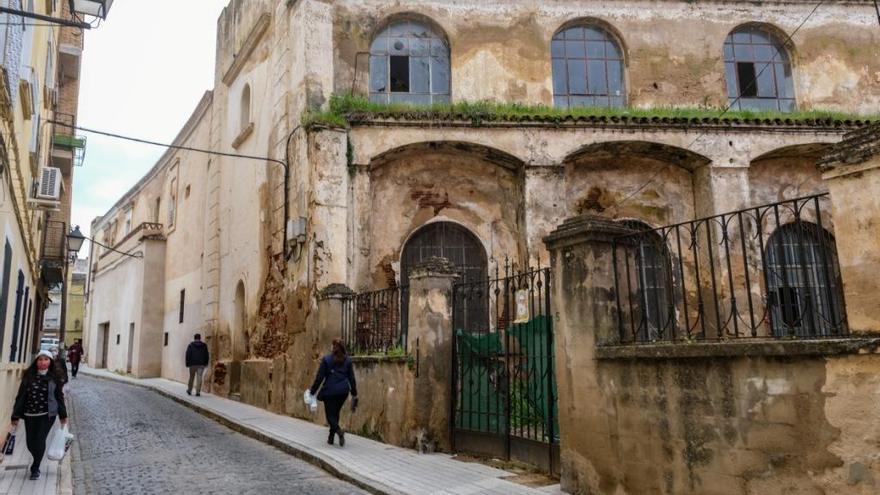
point(94, 8)
point(75, 239)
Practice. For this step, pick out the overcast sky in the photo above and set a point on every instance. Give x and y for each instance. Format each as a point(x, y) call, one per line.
point(143, 72)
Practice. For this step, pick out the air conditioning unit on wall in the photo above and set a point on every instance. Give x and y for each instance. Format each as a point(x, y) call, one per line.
point(46, 192)
point(49, 184)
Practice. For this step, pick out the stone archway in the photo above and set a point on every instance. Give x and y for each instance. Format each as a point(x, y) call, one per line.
point(458, 245)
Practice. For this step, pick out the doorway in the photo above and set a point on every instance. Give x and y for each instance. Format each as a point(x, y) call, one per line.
point(130, 347)
point(104, 342)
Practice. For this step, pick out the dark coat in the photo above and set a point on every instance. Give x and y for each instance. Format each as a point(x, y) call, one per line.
point(61, 367)
point(74, 353)
point(197, 354)
point(56, 397)
point(338, 378)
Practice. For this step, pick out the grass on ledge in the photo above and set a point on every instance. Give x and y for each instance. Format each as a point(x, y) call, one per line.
point(342, 107)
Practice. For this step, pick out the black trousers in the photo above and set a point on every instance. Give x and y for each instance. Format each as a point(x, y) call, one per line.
point(332, 406)
point(36, 430)
point(74, 367)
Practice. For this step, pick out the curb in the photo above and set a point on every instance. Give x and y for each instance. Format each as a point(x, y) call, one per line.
point(331, 466)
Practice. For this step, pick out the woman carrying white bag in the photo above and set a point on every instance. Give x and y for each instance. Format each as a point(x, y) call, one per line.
point(40, 398)
point(61, 440)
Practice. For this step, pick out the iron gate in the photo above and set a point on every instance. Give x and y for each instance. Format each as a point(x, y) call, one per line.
point(503, 383)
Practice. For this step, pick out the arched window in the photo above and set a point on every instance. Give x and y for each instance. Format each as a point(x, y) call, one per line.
point(463, 249)
point(587, 68)
point(409, 63)
point(758, 70)
point(803, 289)
point(245, 108)
point(651, 283)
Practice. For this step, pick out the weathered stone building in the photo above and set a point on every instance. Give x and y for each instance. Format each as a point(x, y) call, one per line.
point(318, 192)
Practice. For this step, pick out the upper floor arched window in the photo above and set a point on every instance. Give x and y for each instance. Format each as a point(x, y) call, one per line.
point(587, 68)
point(409, 63)
point(758, 70)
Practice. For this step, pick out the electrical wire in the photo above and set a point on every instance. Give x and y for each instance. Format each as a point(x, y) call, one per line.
point(135, 255)
point(877, 8)
point(789, 41)
point(170, 146)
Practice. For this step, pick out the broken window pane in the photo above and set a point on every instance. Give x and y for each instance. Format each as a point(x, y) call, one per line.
point(759, 63)
point(409, 57)
point(398, 46)
point(745, 72)
point(399, 74)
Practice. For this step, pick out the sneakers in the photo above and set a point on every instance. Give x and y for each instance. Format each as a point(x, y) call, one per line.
point(35, 475)
point(198, 394)
point(188, 392)
point(341, 438)
point(330, 439)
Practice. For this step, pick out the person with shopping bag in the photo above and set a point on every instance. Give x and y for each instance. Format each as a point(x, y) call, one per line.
point(335, 380)
point(40, 398)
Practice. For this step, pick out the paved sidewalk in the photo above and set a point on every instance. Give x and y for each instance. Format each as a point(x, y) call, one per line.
point(374, 466)
point(14, 470)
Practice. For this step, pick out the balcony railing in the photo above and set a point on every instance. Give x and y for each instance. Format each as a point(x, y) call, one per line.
point(765, 272)
point(64, 136)
point(54, 241)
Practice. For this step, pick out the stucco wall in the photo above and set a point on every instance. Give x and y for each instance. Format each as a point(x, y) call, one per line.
point(117, 300)
point(742, 425)
point(766, 418)
point(672, 49)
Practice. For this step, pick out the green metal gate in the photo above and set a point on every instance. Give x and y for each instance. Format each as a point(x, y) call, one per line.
point(504, 388)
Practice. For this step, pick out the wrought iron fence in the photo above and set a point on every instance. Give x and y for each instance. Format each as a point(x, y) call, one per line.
point(371, 322)
point(769, 271)
point(503, 375)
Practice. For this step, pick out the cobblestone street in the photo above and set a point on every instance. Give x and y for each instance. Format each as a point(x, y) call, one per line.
point(132, 440)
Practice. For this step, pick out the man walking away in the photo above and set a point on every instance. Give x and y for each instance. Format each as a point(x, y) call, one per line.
point(196, 360)
point(74, 356)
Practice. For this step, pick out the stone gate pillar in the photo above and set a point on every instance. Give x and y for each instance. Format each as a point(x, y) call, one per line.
point(329, 314)
point(852, 172)
point(429, 342)
point(583, 302)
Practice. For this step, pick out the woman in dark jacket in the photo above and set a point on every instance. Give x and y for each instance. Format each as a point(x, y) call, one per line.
point(336, 373)
point(40, 398)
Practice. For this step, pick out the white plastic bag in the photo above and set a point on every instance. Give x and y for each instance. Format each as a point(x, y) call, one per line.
point(58, 444)
point(310, 400)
